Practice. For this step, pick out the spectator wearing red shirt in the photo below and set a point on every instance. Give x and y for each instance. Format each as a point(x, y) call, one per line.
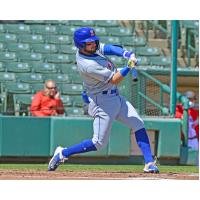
point(47, 102)
point(193, 120)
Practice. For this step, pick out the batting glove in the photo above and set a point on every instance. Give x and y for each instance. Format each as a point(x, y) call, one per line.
point(131, 62)
point(127, 54)
point(130, 55)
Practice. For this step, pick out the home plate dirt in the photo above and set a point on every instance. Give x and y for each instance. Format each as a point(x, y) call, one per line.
point(94, 175)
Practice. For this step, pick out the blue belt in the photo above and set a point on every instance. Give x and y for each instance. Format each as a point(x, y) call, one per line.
point(111, 92)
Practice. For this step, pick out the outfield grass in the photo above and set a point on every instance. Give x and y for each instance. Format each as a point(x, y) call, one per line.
point(114, 168)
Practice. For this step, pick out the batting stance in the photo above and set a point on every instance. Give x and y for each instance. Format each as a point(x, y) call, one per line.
point(100, 78)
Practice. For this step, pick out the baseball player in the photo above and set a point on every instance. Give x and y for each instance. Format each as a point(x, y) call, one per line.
point(100, 78)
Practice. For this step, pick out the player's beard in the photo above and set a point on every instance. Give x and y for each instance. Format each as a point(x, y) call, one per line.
point(92, 51)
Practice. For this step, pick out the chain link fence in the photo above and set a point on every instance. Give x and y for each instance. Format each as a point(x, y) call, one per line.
point(148, 97)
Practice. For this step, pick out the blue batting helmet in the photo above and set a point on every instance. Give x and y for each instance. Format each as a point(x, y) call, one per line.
point(83, 35)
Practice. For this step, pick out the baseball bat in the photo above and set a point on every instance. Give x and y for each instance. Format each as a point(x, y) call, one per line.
point(134, 74)
point(134, 70)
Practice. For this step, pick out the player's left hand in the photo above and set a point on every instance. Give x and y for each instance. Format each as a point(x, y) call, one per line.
point(127, 54)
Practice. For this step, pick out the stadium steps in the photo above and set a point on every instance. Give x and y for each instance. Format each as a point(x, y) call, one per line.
point(167, 52)
point(161, 43)
point(142, 34)
point(182, 57)
point(164, 45)
point(182, 62)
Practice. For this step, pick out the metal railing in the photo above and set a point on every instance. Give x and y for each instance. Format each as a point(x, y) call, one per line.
point(152, 98)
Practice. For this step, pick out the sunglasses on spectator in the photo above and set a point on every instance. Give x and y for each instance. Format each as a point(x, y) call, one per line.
point(51, 88)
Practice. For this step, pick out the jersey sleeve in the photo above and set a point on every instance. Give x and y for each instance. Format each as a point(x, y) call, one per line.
point(101, 48)
point(99, 73)
point(109, 49)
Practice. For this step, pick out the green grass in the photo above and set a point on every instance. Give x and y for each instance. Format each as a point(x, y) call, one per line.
point(114, 168)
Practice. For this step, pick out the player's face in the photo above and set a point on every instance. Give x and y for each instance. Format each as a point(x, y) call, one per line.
point(90, 47)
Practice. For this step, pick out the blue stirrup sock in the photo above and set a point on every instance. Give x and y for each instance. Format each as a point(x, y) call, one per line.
point(85, 146)
point(143, 142)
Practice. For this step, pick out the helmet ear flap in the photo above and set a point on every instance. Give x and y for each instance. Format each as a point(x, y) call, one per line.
point(97, 44)
point(79, 44)
point(82, 45)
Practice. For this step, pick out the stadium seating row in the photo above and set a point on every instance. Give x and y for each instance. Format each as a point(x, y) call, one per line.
point(37, 67)
point(60, 29)
point(35, 38)
point(68, 49)
point(31, 56)
point(39, 78)
point(28, 39)
point(31, 87)
point(38, 48)
point(98, 23)
point(104, 23)
point(48, 53)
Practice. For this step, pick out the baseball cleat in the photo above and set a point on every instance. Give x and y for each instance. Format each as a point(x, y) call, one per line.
point(57, 159)
point(151, 168)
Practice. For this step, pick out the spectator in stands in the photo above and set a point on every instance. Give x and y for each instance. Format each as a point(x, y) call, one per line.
point(47, 102)
point(193, 121)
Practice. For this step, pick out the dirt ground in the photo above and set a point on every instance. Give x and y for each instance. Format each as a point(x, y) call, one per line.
point(83, 175)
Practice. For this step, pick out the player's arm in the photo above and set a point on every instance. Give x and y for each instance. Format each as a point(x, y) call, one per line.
point(119, 75)
point(109, 49)
point(103, 74)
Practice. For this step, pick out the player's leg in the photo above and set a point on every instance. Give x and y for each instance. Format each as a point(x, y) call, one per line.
point(62, 154)
point(102, 110)
point(101, 126)
point(129, 116)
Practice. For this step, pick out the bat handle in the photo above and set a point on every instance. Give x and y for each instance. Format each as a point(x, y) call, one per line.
point(134, 74)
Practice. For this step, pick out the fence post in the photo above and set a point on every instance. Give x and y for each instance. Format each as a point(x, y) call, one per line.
point(173, 68)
